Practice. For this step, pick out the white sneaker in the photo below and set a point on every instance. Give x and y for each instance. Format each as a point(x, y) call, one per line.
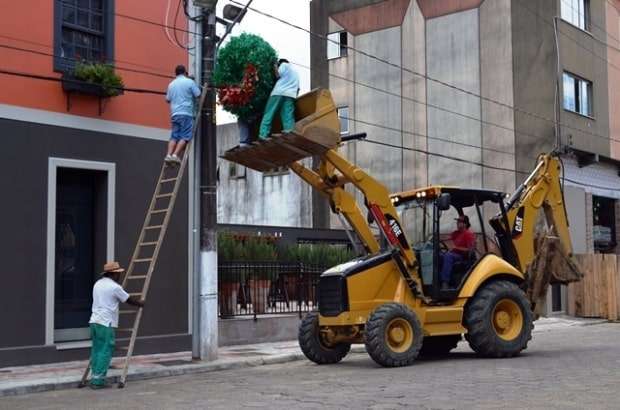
point(175, 159)
point(244, 145)
point(168, 158)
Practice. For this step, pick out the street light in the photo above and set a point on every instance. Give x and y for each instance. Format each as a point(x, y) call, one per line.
point(234, 13)
point(205, 4)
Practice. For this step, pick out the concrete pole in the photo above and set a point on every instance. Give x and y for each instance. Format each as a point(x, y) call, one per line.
point(207, 337)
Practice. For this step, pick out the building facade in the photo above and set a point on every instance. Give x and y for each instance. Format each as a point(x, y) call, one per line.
point(467, 93)
point(78, 172)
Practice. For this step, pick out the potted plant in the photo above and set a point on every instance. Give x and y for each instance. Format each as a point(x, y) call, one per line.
point(229, 250)
point(97, 79)
point(259, 250)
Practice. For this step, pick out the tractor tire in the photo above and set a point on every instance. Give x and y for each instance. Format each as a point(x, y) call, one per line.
point(393, 335)
point(439, 345)
point(499, 320)
point(313, 347)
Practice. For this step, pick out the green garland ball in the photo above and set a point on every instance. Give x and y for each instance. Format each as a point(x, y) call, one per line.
point(232, 60)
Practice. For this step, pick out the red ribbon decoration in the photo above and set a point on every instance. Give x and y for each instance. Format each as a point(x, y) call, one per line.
point(240, 95)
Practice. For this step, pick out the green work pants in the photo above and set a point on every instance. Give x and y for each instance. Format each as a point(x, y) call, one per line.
point(101, 352)
point(286, 107)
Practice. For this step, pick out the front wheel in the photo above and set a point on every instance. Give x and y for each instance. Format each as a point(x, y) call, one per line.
point(314, 346)
point(499, 320)
point(393, 335)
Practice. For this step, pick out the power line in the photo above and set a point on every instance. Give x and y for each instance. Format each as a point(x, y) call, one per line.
point(175, 29)
point(60, 80)
point(437, 107)
point(132, 70)
point(48, 46)
point(154, 23)
point(387, 62)
point(385, 127)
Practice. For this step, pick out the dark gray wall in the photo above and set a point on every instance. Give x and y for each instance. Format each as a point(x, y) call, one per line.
point(534, 62)
point(24, 182)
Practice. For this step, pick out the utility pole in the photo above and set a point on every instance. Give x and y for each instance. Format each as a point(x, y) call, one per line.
point(205, 334)
point(205, 327)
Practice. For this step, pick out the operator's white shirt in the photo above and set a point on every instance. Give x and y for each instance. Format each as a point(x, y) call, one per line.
point(107, 294)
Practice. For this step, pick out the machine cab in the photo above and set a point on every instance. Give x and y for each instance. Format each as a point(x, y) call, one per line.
point(431, 217)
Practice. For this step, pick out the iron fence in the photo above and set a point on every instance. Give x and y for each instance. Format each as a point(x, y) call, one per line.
point(267, 288)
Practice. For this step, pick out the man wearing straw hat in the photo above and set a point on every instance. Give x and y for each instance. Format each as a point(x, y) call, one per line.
point(107, 294)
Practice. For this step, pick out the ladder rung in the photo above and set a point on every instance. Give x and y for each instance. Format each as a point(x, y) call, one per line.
point(159, 211)
point(148, 243)
point(125, 329)
point(123, 348)
point(136, 277)
point(167, 180)
point(164, 195)
point(143, 260)
point(154, 227)
point(135, 294)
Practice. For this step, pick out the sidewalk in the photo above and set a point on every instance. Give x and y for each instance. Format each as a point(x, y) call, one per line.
point(38, 378)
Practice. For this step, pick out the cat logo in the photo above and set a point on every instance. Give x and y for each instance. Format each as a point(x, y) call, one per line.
point(518, 226)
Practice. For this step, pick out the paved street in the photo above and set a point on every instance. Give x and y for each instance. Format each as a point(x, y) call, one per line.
point(566, 368)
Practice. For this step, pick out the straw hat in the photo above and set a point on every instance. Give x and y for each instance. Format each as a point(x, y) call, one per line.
point(112, 267)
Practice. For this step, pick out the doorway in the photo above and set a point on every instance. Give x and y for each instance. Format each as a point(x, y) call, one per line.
point(80, 240)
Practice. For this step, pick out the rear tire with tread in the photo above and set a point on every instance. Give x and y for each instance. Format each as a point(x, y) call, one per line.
point(479, 320)
point(376, 335)
point(309, 338)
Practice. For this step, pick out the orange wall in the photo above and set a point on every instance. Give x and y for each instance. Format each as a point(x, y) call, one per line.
point(29, 24)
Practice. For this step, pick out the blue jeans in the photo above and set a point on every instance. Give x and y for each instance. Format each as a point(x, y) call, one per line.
point(182, 127)
point(449, 259)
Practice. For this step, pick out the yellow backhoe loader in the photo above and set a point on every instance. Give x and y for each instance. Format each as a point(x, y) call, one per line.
point(390, 298)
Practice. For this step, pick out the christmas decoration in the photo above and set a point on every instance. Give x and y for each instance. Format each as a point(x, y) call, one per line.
point(244, 75)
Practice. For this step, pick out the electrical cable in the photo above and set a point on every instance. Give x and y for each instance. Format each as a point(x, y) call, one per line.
point(50, 47)
point(14, 48)
point(60, 80)
point(440, 82)
point(175, 29)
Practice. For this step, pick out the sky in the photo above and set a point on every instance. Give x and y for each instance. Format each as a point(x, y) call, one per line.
point(289, 42)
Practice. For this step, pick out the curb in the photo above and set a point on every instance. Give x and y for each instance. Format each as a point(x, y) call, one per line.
point(72, 382)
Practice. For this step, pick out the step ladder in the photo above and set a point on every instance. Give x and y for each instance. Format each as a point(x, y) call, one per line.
point(142, 264)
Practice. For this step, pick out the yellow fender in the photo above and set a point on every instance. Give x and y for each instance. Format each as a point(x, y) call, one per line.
point(488, 267)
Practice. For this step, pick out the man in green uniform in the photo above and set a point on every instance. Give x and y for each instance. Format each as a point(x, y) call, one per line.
point(107, 294)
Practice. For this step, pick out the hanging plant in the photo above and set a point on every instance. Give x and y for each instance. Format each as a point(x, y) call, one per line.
point(244, 75)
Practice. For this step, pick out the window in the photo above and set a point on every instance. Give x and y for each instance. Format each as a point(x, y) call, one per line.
point(604, 224)
point(236, 171)
point(577, 95)
point(343, 115)
point(83, 30)
point(337, 45)
point(576, 13)
point(281, 170)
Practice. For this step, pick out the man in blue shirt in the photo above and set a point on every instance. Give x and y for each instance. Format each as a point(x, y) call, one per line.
point(282, 100)
point(182, 92)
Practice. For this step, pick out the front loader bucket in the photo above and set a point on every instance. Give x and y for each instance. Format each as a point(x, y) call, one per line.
point(317, 130)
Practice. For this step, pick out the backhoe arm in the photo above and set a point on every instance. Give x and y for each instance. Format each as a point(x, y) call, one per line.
point(341, 202)
point(542, 189)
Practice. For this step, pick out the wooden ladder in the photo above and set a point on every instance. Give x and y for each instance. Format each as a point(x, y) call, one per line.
point(145, 254)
